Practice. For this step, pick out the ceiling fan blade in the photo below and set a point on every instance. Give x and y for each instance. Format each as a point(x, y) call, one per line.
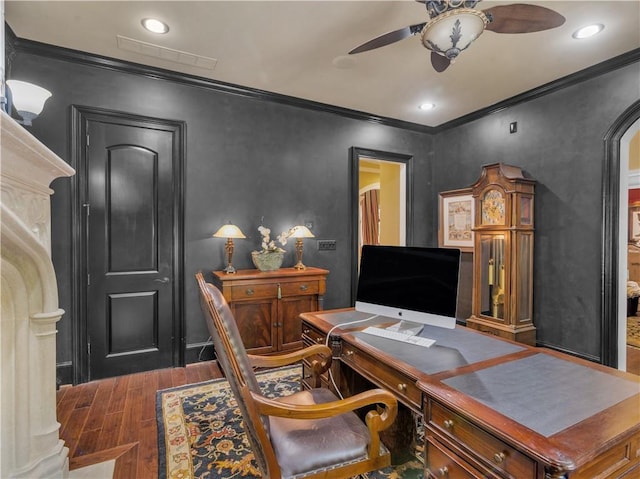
point(522, 18)
point(389, 38)
point(439, 62)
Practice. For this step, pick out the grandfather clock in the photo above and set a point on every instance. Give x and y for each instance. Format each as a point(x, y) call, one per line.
point(503, 254)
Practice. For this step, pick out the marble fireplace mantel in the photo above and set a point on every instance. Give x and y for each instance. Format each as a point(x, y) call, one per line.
point(29, 442)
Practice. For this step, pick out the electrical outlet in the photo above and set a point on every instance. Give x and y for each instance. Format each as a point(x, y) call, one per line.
point(326, 245)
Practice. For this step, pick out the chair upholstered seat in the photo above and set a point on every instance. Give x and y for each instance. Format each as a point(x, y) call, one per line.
point(333, 440)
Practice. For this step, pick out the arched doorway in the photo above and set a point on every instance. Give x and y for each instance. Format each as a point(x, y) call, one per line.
point(614, 251)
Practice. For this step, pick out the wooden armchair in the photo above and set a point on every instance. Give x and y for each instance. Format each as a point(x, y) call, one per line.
point(309, 434)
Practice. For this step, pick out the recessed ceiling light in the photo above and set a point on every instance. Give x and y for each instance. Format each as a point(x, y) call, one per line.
point(427, 106)
point(155, 26)
point(588, 31)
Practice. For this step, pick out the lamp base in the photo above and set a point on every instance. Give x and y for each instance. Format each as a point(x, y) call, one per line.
point(229, 269)
point(299, 265)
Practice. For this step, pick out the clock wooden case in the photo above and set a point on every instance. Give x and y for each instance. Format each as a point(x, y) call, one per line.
point(503, 254)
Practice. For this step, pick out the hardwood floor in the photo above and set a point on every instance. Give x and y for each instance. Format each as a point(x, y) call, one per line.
point(115, 418)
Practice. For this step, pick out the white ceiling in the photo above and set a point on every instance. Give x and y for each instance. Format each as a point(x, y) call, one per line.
point(299, 48)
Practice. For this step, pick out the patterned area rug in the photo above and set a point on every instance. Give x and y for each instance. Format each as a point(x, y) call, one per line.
point(200, 433)
point(633, 331)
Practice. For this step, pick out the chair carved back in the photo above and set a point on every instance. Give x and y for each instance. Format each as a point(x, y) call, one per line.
point(232, 358)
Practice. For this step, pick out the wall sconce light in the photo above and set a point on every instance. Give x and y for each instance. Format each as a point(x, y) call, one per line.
point(229, 231)
point(28, 99)
point(300, 232)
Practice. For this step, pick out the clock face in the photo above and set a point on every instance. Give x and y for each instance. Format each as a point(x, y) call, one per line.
point(493, 208)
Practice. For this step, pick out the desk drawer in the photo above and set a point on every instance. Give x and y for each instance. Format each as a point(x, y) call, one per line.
point(619, 461)
point(307, 378)
point(489, 448)
point(401, 385)
point(442, 463)
point(311, 335)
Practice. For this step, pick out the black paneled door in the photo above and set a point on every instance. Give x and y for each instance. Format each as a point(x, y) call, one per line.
point(130, 229)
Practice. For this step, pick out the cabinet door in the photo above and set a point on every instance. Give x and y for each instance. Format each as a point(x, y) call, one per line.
point(290, 326)
point(255, 320)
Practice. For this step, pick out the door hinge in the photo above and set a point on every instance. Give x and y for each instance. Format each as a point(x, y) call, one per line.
point(89, 348)
point(88, 279)
point(88, 138)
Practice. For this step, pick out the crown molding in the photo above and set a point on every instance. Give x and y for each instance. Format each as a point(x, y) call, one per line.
point(578, 77)
point(76, 56)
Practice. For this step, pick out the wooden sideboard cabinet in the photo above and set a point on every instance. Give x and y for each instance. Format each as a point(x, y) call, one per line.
point(267, 305)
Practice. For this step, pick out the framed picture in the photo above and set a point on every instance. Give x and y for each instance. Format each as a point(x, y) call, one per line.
point(456, 219)
point(634, 223)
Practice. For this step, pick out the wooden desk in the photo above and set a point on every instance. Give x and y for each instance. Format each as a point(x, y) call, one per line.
point(494, 408)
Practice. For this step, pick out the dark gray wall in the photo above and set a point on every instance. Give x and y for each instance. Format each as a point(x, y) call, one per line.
point(246, 158)
point(559, 143)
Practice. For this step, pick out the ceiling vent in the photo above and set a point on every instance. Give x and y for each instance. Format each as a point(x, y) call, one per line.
point(168, 54)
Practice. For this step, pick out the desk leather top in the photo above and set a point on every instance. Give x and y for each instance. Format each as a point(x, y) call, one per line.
point(453, 348)
point(544, 393)
point(528, 390)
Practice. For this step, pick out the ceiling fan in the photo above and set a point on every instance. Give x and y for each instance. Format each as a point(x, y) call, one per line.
point(455, 24)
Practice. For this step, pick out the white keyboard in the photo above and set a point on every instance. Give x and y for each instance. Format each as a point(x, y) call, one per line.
point(405, 338)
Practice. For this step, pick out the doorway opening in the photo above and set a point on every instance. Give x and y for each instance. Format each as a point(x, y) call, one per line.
point(615, 237)
point(629, 249)
point(380, 202)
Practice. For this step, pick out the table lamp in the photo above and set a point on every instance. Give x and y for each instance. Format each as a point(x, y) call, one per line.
point(300, 232)
point(229, 231)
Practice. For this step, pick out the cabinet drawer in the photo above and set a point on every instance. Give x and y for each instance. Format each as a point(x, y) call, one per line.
point(298, 288)
point(401, 385)
point(489, 448)
point(441, 463)
point(253, 291)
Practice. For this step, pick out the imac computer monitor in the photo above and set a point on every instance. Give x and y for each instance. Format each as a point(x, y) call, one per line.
point(409, 283)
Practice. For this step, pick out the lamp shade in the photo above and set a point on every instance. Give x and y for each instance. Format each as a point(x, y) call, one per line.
point(229, 231)
point(301, 232)
point(452, 32)
point(28, 97)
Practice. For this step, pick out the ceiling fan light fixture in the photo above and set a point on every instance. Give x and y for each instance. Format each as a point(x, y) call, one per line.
point(452, 32)
point(588, 31)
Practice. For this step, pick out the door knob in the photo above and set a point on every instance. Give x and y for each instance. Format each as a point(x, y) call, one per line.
point(162, 280)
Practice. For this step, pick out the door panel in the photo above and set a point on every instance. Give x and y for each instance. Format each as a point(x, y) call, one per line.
point(132, 322)
point(129, 248)
point(132, 197)
point(291, 328)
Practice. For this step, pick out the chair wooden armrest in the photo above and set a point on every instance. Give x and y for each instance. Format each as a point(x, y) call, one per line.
point(318, 365)
point(377, 420)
